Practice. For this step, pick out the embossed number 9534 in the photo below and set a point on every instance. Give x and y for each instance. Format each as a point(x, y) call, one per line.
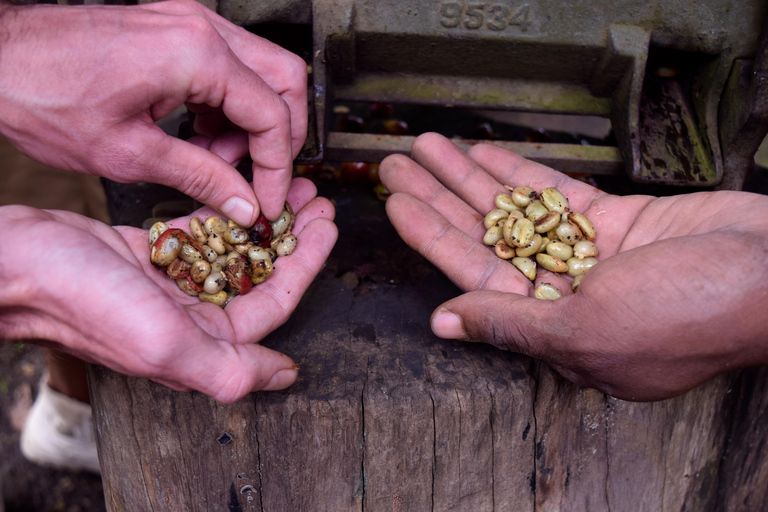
point(479, 15)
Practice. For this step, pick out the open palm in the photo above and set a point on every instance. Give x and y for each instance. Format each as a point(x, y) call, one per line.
point(99, 298)
point(675, 299)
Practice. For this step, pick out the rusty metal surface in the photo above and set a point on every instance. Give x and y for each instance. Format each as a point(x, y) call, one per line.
point(744, 112)
point(478, 92)
point(570, 158)
point(671, 149)
point(544, 56)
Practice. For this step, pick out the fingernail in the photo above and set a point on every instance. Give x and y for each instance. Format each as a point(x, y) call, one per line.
point(239, 210)
point(448, 325)
point(282, 379)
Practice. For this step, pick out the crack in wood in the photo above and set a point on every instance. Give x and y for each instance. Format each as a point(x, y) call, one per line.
point(138, 443)
point(258, 462)
point(363, 474)
point(434, 450)
point(493, 447)
point(534, 476)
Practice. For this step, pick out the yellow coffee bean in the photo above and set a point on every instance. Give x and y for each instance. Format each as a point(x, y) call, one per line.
point(559, 250)
point(243, 248)
point(493, 235)
point(189, 254)
point(506, 229)
point(551, 263)
point(200, 270)
point(546, 222)
point(525, 265)
point(216, 243)
point(257, 253)
point(584, 249)
point(260, 270)
point(283, 224)
point(214, 283)
point(504, 202)
point(184, 286)
point(219, 298)
point(547, 291)
point(494, 216)
point(578, 266)
point(286, 245)
point(535, 210)
point(235, 236)
point(532, 248)
point(198, 230)
point(554, 200)
point(209, 254)
point(215, 225)
point(569, 233)
point(584, 224)
point(522, 196)
point(503, 250)
point(522, 233)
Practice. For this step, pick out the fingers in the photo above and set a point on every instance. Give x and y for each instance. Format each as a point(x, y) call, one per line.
point(268, 305)
point(195, 172)
point(401, 174)
point(252, 105)
point(280, 69)
point(302, 191)
point(228, 372)
point(230, 146)
point(512, 169)
point(318, 208)
point(467, 262)
point(269, 128)
point(509, 321)
point(459, 173)
point(264, 91)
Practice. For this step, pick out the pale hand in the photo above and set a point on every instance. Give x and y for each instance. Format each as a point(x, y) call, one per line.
point(82, 86)
point(86, 288)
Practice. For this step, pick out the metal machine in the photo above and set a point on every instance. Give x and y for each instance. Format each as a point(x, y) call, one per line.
point(684, 84)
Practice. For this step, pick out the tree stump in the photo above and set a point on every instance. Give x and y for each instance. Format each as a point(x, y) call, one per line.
point(386, 417)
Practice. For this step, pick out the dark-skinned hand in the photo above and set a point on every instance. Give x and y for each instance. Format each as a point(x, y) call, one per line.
point(678, 296)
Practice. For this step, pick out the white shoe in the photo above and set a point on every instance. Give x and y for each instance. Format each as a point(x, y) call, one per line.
point(59, 432)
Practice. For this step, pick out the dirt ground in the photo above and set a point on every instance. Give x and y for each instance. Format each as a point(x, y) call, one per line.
point(26, 487)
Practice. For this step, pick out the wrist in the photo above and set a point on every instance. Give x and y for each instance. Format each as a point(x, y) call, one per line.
point(16, 259)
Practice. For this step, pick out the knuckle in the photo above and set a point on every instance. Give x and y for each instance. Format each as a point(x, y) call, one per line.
point(197, 184)
point(200, 35)
point(297, 70)
point(233, 388)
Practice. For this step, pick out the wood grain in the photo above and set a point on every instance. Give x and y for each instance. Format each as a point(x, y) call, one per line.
point(386, 417)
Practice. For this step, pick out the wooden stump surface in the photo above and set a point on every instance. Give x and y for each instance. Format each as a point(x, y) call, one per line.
point(387, 417)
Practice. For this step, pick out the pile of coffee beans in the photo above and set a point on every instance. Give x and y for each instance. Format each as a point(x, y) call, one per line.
point(539, 230)
point(219, 260)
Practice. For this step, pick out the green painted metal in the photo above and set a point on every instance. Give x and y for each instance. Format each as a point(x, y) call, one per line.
point(656, 68)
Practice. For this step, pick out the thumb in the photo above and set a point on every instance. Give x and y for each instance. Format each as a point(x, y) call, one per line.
point(196, 172)
point(228, 372)
point(506, 320)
